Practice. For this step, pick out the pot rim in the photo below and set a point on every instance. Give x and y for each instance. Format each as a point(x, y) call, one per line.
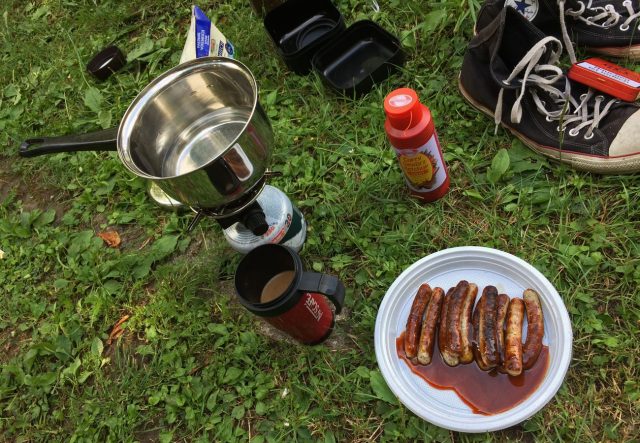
point(156, 87)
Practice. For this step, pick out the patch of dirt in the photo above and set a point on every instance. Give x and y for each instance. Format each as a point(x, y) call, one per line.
point(32, 195)
point(11, 341)
point(148, 432)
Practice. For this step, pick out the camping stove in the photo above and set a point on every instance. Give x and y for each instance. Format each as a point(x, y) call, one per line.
point(265, 215)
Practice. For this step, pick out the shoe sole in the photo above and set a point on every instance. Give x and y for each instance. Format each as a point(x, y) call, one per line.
point(583, 162)
point(630, 52)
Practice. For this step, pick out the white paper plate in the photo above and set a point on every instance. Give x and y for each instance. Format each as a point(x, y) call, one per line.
point(483, 266)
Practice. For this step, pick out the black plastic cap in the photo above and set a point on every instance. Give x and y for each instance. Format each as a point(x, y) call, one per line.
point(106, 62)
point(255, 221)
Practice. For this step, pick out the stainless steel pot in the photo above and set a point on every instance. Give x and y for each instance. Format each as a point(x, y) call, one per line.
point(197, 131)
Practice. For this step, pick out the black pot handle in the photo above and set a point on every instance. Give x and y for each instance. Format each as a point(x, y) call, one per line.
point(327, 285)
point(105, 140)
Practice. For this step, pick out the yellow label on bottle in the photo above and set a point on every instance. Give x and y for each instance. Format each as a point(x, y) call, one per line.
point(417, 168)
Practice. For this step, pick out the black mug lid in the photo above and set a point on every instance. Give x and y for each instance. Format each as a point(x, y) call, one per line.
point(106, 62)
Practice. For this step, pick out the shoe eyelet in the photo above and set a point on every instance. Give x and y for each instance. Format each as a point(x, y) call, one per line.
point(600, 97)
point(589, 137)
point(625, 3)
point(549, 119)
point(582, 96)
point(624, 28)
point(573, 132)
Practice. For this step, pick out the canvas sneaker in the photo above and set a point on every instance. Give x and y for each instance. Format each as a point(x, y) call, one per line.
point(510, 72)
point(608, 27)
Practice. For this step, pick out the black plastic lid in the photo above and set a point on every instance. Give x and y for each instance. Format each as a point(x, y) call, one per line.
point(299, 28)
point(363, 55)
point(106, 62)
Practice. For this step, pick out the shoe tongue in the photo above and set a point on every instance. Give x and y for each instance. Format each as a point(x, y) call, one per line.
point(515, 37)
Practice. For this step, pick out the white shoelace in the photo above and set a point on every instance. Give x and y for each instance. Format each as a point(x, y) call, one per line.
point(603, 17)
point(544, 76)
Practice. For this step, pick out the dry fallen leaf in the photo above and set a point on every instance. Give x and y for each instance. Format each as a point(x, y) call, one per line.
point(111, 238)
point(117, 330)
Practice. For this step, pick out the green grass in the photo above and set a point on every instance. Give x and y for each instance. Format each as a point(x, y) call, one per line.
point(192, 364)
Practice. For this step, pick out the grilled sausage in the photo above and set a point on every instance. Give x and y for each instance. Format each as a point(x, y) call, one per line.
point(466, 329)
point(476, 333)
point(428, 334)
point(442, 331)
point(487, 333)
point(535, 329)
point(453, 344)
point(513, 340)
point(501, 315)
point(414, 322)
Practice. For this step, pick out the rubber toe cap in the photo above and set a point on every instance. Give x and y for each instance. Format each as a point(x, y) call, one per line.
point(627, 142)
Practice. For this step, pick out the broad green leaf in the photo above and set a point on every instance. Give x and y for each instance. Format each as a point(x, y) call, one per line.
point(142, 270)
point(261, 408)
point(499, 166)
point(80, 243)
point(232, 374)
point(380, 388)
point(408, 38)
point(151, 333)
point(112, 286)
point(164, 246)
point(473, 194)
point(212, 401)
point(238, 412)
point(72, 368)
point(217, 328)
point(45, 218)
point(93, 99)
point(434, 19)
point(165, 437)
point(46, 379)
point(84, 375)
point(104, 118)
point(143, 48)
point(40, 12)
point(271, 98)
point(97, 347)
point(60, 283)
point(29, 358)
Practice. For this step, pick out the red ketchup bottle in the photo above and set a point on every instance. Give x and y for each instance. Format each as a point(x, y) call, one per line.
point(410, 130)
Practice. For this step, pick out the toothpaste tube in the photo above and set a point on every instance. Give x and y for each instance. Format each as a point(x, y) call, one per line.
point(205, 39)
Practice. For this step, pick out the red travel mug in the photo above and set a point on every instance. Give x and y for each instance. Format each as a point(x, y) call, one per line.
point(272, 283)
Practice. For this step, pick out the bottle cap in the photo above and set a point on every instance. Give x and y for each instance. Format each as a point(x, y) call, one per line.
point(403, 109)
